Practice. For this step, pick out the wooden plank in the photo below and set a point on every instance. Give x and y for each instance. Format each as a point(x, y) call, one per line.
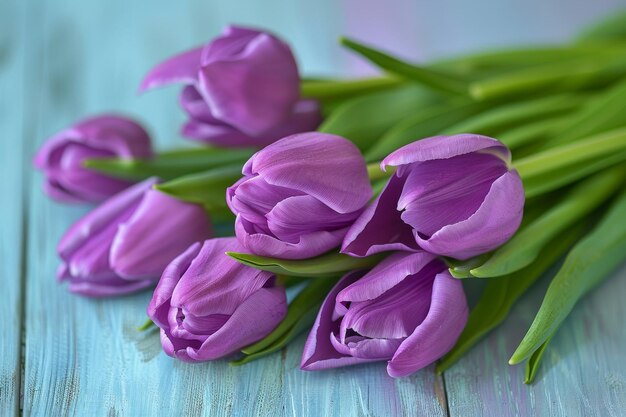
point(583, 371)
point(12, 160)
point(84, 357)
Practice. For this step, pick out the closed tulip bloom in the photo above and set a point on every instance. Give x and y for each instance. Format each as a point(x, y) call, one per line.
point(298, 196)
point(125, 244)
point(108, 136)
point(242, 89)
point(407, 311)
point(455, 196)
point(209, 306)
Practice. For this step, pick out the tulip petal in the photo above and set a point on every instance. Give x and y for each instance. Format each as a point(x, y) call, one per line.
point(182, 68)
point(441, 192)
point(380, 228)
point(160, 229)
point(294, 216)
point(159, 304)
point(443, 147)
point(116, 207)
point(254, 90)
point(365, 348)
point(495, 221)
point(310, 244)
point(327, 167)
point(214, 283)
point(107, 288)
point(319, 352)
point(239, 331)
point(438, 333)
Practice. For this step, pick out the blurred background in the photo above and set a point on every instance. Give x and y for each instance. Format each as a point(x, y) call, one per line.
point(82, 57)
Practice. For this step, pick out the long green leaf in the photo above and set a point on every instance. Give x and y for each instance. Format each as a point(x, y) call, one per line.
point(342, 89)
point(435, 79)
point(579, 152)
point(501, 294)
point(566, 76)
point(591, 261)
point(364, 119)
point(171, 164)
point(493, 121)
point(526, 246)
point(539, 130)
point(207, 188)
point(612, 28)
point(532, 366)
point(601, 114)
point(429, 122)
point(330, 264)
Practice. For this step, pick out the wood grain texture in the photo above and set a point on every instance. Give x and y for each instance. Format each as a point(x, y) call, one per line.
point(583, 372)
point(67, 59)
point(12, 161)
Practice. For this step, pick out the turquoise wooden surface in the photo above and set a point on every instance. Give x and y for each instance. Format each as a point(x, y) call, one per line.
point(62, 355)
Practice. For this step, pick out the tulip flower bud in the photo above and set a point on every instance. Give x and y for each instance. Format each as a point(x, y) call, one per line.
point(61, 157)
point(125, 244)
point(299, 195)
point(408, 311)
point(453, 196)
point(209, 306)
point(242, 89)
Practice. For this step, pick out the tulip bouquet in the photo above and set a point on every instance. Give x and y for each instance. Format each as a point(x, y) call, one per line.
point(368, 201)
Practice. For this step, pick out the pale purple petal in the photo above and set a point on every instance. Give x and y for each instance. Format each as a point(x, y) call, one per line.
point(319, 352)
point(439, 331)
point(114, 209)
point(107, 288)
point(255, 89)
point(253, 319)
point(495, 221)
point(310, 244)
point(160, 302)
point(182, 68)
point(441, 192)
point(380, 228)
point(443, 147)
point(160, 229)
point(327, 167)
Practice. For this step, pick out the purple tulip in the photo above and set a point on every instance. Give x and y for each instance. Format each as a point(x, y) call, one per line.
point(106, 136)
point(408, 311)
point(209, 306)
point(454, 196)
point(242, 89)
point(299, 195)
point(125, 244)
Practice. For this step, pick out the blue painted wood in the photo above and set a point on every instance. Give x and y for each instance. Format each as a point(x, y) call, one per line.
point(583, 372)
point(85, 357)
point(12, 146)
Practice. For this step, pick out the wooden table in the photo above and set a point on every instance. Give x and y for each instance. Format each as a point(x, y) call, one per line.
point(62, 355)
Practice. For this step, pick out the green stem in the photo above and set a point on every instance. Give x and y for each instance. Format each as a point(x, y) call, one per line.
point(331, 89)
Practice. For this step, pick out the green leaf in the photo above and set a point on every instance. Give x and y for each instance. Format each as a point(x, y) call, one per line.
point(612, 28)
point(324, 90)
point(365, 118)
point(422, 124)
point(330, 264)
point(148, 324)
point(461, 269)
point(578, 153)
point(501, 294)
point(169, 165)
point(527, 244)
point(564, 76)
point(207, 188)
point(435, 79)
point(532, 132)
point(493, 121)
point(588, 263)
point(301, 314)
point(541, 184)
point(532, 366)
point(601, 114)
